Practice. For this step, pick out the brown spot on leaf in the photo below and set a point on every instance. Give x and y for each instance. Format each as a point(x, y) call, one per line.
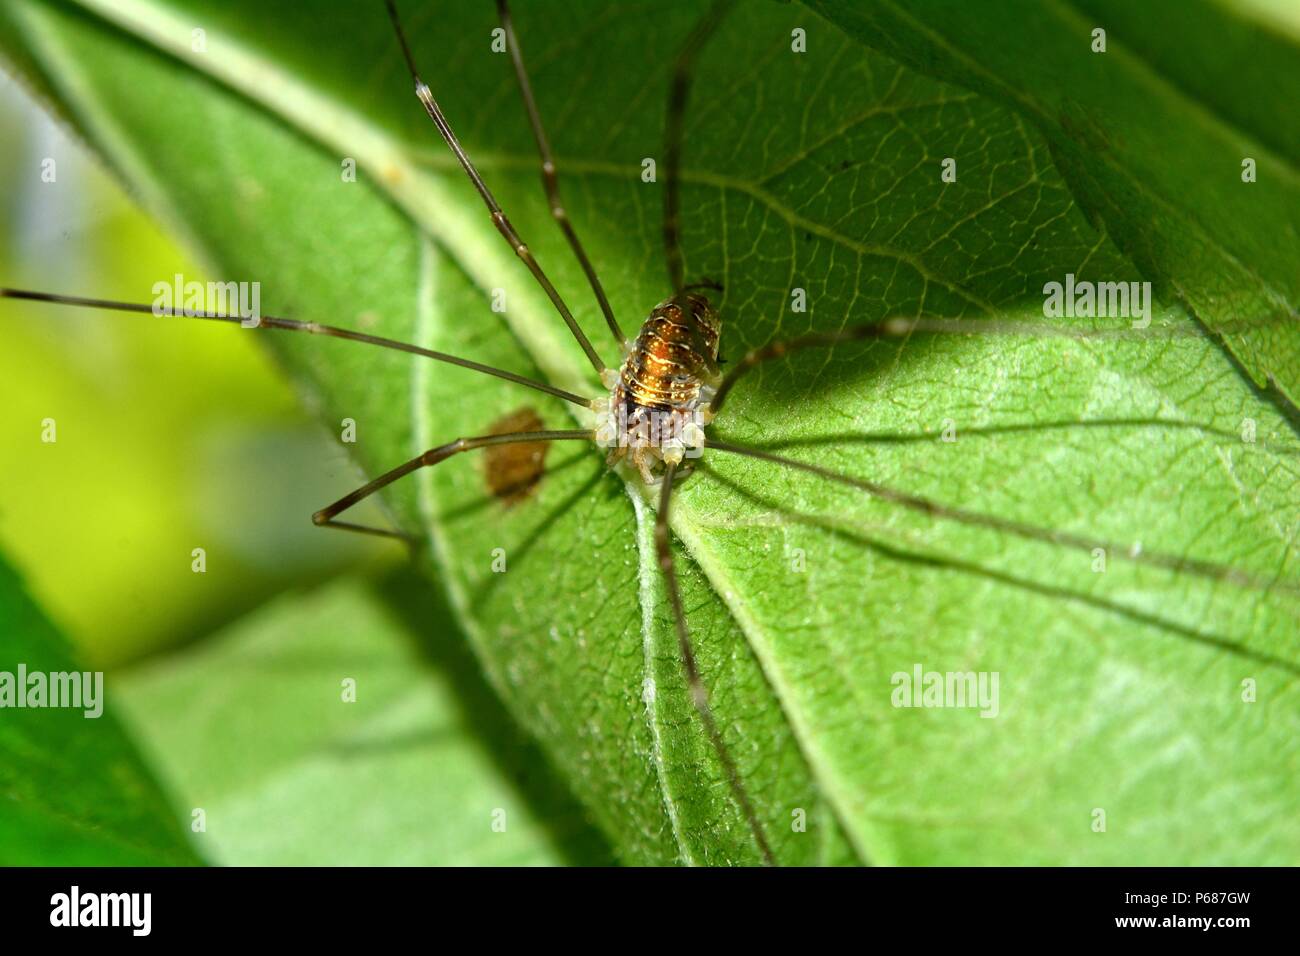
point(514, 471)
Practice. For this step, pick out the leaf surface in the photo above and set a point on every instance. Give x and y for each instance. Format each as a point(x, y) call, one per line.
point(319, 731)
point(1119, 690)
point(73, 789)
point(1151, 134)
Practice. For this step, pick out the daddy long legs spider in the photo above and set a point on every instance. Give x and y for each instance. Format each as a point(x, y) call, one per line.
point(672, 369)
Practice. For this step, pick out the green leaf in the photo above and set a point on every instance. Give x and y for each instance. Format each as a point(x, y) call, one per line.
point(1120, 691)
point(85, 559)
point(73, 790)
point(420, 766)
point(1150, 134)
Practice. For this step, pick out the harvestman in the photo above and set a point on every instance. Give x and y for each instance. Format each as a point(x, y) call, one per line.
point(668, 388)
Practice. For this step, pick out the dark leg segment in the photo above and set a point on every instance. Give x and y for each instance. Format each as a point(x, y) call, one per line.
point(678, 93)
point(1065, 539)
point(294, 325)
point(898, 328)
point(699, 694)
point(550, 178)
point(499, 219)
point(775, 350)
point(325, 517)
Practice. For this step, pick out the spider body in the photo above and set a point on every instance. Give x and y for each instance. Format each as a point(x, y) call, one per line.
point(658, 403)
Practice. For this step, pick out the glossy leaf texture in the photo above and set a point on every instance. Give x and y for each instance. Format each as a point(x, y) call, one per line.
point(1120, 690)
point(1168, 122)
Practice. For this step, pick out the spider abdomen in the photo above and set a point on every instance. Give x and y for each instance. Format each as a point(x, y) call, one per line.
point(674, 355)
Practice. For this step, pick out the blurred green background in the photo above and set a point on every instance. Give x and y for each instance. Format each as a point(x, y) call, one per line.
point(227, 682)
point(106, 554)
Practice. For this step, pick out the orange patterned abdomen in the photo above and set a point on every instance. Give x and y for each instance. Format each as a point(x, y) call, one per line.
point(673, 355)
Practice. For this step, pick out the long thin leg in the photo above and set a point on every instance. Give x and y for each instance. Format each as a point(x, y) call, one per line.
point(1066, 539)
point(699, 694)
point(678, 93)
point(550, 178)
point(775, 350)
point(494, 208)
point(293, 325)
point(897, 328)
point(325, 517)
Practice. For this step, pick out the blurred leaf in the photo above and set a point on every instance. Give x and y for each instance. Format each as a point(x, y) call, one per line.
point(73, 791)
point(253, 728)
point(139, 407)
point(1120, 690)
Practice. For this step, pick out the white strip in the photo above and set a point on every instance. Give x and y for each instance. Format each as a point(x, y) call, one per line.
point(647, 565)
